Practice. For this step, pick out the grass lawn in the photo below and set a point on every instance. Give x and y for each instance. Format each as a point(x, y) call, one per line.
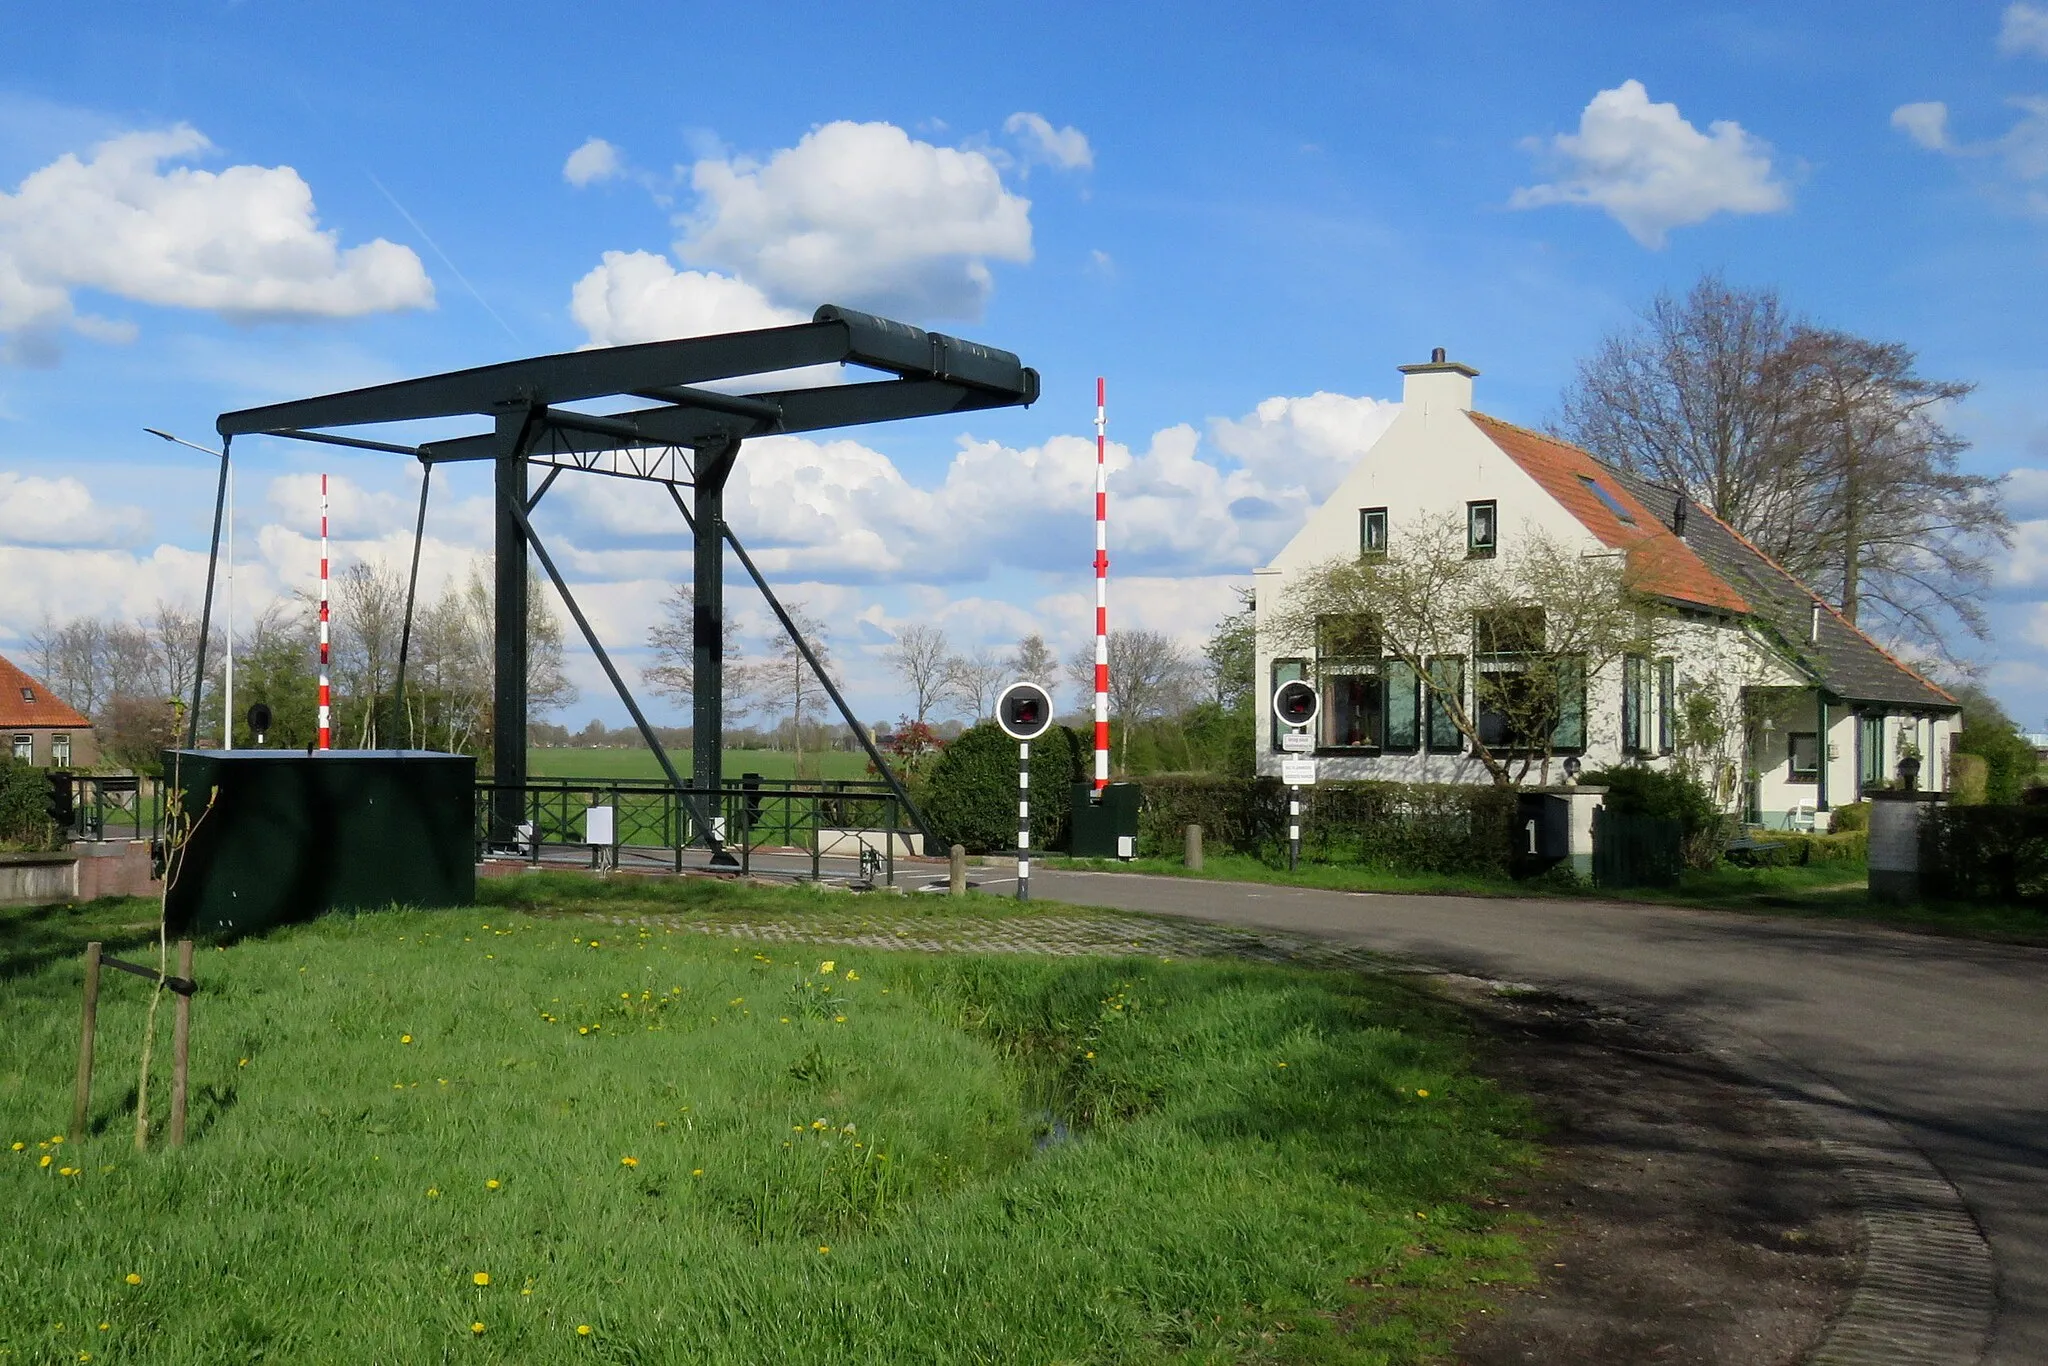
point(1823, 890)
point(476, 1134)
point(639, 763)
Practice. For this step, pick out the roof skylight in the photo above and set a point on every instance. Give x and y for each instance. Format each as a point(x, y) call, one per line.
point(1613, 504)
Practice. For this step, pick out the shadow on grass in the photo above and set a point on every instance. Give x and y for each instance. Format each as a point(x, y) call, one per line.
point(33, 937)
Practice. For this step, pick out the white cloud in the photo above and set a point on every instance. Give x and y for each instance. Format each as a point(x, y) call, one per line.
point(637, 296)
point(863, 214)
point(62, 512)
point(2027, 565)
point(243, 242)
point(1065, 148)
point(1652, 171)
point(595, 160)
point(2024, 31)
point(2020, 153)
point(1926, 122)
point(2026, 492)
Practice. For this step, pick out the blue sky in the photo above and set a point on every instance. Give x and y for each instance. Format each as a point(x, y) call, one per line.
point(1245, 220)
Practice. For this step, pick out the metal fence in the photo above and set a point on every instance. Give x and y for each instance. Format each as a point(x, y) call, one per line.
point(98, 807)
point(651, 824)
point(1634, 850)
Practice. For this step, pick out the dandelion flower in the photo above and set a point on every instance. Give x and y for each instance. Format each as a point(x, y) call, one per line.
point(1283, 1064)
point(629, 1162)
point(852, 976)
point(825, 966)
point(405, 1038)
point(433, 1193)
point(582, 1330)
point(67, 1171)
point(1423, 1094)
point(698, 1171)
point(582, 1029)
point(243, 1063)
point(134, 1279)
point(45, 1162)
point(105, 1326)
point(19, 1146)
point(822, 1249)
point(481, 1278)
point(491, 1184)
point(476, 1328)
point(838, 1019)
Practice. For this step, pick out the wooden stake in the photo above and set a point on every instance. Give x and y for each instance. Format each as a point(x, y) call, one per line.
point(81, 1091)
point(181, 1041)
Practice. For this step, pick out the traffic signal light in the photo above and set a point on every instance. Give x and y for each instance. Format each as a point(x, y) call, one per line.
point(57, 804)
point(1024, 711)
point(1296, 703)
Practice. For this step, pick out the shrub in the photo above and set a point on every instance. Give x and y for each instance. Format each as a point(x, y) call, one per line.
point(1851, 818)
point(1985, 853)
point(1394, 827)
point(24, 809)
point(1849, 847)
point(970, 793)
point(1668, 795)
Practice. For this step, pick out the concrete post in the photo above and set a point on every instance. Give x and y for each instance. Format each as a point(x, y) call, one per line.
point(1194, 850)
point(956, 871)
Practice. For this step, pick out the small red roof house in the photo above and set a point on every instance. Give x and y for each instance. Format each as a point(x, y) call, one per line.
point(1819, 712)
point(37, 727)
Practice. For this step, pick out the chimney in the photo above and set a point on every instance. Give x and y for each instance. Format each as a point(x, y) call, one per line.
point(1438, 385)
point(1678, 514)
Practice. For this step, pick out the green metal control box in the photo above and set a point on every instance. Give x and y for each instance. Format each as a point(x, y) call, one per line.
point(1105, 826)
point(282, 835)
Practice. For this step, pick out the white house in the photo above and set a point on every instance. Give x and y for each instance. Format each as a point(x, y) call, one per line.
point(1819, 710)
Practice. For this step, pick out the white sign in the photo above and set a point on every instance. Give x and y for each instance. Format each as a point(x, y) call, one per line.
point(1298, 772)
point(597, 825)
point(1298, 742)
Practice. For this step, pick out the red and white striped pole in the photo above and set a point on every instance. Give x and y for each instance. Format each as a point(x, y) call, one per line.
point(1101, 591)
point(325, 699)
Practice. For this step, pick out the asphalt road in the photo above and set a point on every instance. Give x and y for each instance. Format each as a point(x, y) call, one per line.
point(1945, 1039)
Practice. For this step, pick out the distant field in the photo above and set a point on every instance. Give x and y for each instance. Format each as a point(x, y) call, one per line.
point(639, 763)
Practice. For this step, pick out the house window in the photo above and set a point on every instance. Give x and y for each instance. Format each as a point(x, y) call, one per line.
point(1402, 713)
point(1284, 671)
point(1667, 701)
point(1802, 748)
point(60, 750)
point(1348, 675)
point(1613, 504)
point(1870, 751)
point(1372, 533)
point(1482, 530)
point(28, 694)
point(24, 749)
point(1527, 701)
point(1447, 680)
point(1638, 706)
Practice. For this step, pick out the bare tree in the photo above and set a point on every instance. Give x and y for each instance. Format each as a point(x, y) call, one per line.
point(1034, 660)
point(673, 639)
point(1697, 395)
point(1149, 674)
point(921, 657)
point(1892, 525)
point(1825, 449)
point(789, 674)
point(977, 680)
point(1533, 631)
point(174, 641)
point(369, 615)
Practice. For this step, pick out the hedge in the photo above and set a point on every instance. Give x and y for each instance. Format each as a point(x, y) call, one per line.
point(1393, 827)
point(24, 805)
point(1842, 846)
point(1985, 853)
point(969, 797)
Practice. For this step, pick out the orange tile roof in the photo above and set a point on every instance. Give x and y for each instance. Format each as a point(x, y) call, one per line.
point(1659, 562)
point(17, 710)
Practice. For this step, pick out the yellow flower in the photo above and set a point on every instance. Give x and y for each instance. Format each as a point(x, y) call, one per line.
point(45, 1162)
point(476, 1328)
point(825, 966)
point(105, 1326)
point(852, 976)
point(481, 1278)
point(822, 1249)
point(838, 1019)
point(1089, 1054)
point(582, 1330)
point(433, 1193)
point(582, 1029)
point(67, 1171)
point(85, 1356)
point(1283, 1064)
point(19, 1146)
point(405, 1038)
point(243, 1063)
point(698, 1171)
point(134, 1279)
point(491, 1184)
point(629, 1162)
point(817, 1124)
point(1423, 1094)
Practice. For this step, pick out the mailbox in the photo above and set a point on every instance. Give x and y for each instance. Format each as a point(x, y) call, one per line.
point(1543, 830)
